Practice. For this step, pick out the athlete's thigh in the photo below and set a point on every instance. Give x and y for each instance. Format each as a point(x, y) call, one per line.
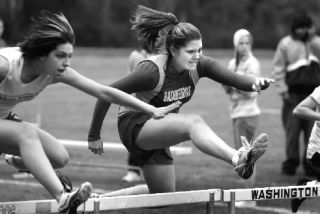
point(159, 178)
point(11, 134)
point(51, 146)
point(164, 132)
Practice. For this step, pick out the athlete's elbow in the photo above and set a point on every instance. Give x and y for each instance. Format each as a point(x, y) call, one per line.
point(297, 112)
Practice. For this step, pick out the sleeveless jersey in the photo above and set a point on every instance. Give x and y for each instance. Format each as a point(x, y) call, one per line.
point(12, 89)
point(168, 89)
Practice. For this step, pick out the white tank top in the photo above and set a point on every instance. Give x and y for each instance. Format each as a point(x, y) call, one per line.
point(12, 90)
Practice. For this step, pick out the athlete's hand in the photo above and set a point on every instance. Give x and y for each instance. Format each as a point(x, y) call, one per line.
point(163, 111)
point(96, 146)
point(262, 83)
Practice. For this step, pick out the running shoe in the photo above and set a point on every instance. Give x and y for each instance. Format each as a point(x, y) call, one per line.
point(296, 202)
point(249, 153)
point(69, 202)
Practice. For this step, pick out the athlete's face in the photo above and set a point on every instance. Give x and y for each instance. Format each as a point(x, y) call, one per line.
point(244, 45)
point(187, 57)
point(58, 59)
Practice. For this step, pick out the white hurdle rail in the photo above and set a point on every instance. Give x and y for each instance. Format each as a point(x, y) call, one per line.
point(95, 205)
point(209, 196)
point(176, 150)
point(268, 193)
point(113, 146)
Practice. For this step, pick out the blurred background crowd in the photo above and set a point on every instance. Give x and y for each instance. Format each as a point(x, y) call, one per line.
point(106, 22)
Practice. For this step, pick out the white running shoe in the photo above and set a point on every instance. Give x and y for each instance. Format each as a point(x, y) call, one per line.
point(69, 202)
point(249, 153)
point(132, 176)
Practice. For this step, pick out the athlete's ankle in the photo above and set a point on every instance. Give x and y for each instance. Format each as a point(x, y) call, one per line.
point(235, 158)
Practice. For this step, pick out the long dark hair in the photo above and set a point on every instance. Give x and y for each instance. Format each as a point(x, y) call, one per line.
point(150, 23)
point(46, 32)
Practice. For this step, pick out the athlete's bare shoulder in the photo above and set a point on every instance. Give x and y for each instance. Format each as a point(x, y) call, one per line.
point(4, 68)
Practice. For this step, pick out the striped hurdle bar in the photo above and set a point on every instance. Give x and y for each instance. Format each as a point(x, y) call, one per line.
point(177, 150)
point(95, 205)
point(268, 193)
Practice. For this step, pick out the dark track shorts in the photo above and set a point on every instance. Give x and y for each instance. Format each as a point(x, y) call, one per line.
point(129, 126)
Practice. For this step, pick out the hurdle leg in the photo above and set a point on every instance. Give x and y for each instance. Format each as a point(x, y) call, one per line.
point(210, 204)
point(96, 207)
point(232, 203)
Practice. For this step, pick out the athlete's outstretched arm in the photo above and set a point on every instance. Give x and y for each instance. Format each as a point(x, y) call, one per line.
point(107, 95)
point(212, 69)
point(111, 95)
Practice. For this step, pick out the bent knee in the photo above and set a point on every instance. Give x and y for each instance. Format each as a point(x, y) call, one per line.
point(61, 159)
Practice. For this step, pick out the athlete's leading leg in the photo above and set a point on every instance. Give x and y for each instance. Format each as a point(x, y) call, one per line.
point(175, 128)
point(23, 140)
point(55, 151)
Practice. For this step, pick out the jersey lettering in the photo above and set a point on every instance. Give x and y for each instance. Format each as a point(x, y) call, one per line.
point(177, 94)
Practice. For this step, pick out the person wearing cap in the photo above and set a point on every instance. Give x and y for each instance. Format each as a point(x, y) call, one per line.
point(244, 109)
point(296, 70)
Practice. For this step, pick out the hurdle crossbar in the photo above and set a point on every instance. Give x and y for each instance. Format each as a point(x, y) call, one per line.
point(105, 166)
point(95, 205)
point(159, 199)
point(268, 193)
point(29, 207)
point(177, 150)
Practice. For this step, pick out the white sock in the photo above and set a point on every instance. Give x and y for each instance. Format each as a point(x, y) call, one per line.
point(235, 158)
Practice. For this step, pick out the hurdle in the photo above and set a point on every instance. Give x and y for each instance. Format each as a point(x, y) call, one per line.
point(176, 150)
point(268, 193)
point(95, 205)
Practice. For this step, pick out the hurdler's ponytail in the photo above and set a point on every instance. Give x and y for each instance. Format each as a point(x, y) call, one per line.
point(148, 22)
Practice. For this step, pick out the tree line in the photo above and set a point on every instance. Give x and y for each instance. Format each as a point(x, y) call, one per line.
point(106, 22)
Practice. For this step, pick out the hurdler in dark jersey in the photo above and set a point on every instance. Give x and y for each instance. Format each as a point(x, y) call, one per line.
point(165, 79)
point(161, 87)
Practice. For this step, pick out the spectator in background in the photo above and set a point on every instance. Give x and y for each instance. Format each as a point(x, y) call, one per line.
point(244, 110)
point(135, 57)
point(2, 41)
point(297, 72)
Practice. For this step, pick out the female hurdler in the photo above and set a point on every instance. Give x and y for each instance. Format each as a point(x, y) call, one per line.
point(163, 79)
point(43, 58)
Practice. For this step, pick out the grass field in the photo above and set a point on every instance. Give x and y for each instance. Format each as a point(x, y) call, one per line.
point(66, 113)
